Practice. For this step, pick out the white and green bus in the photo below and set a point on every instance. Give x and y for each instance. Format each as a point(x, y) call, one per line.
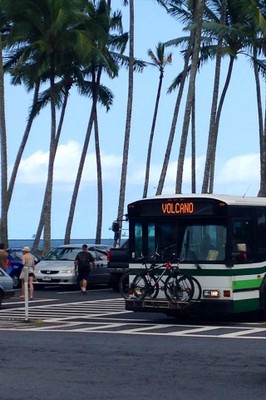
point(219, 239)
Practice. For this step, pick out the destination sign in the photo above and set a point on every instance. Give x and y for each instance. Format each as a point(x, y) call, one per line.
point(178, 208)
point(175, 208)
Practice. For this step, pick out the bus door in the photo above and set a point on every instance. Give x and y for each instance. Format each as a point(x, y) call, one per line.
point(242, 241)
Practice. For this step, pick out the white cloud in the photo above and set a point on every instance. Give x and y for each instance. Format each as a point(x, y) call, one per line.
point(242, 169)
point(234, 175)
point(33, 169)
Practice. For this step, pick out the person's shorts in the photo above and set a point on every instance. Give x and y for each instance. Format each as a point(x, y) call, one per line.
point(83, 274)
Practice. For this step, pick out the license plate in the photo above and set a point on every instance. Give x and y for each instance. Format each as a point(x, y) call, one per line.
point(47, 278)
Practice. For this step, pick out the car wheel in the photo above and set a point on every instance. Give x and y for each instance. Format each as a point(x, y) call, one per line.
point(16, 281)
point(114, 282)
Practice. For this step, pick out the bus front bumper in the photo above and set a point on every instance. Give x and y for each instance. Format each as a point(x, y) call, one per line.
point(164, 306)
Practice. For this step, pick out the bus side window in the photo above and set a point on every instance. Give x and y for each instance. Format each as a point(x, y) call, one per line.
point(242, 241)
point(138, 241)
point(261, 222)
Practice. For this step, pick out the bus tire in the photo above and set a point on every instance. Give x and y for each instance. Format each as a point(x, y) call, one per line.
point(263, 296)
point(114, 281)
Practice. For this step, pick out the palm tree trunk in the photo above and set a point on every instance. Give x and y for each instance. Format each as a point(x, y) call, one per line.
point(45, 201)
point(174, 121)
point(49, 187)
point(193, 148)
point(79, 175)
point(128, 119)
point(148, 161)
point(4, 195)
point(23, 143)
point(210, 147)
point(99, 182)
point(262, 137)
point(217, 121)
point(262, 190)
point(93, 116)
point(197, 17)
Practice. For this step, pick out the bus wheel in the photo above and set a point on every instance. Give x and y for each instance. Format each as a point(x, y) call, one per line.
point(263, 297)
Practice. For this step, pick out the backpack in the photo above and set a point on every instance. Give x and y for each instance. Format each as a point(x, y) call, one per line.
point(84, 259)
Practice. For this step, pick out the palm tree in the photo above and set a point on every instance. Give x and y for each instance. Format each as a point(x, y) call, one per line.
point(123, 179)
point(258, 14)
point(236, 33)
point(4, 23)
point(97, 96)
point(197, 14)
point(106, 60)
point(4, 199)
point(209, 165)
point(50, 28)
point(160, 61)
point(98, 235)
point(179, 10)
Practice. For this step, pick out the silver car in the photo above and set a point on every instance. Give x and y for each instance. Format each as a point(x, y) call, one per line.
point(57, 267)
point(6, 286)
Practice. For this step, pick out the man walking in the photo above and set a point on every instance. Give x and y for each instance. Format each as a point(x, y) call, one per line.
point(3, 256)
point(83, 262)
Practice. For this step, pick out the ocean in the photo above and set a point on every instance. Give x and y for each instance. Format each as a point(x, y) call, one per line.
point(55, 242)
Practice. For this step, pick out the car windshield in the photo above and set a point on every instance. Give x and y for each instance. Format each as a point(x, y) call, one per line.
point(16, 254)
point(65, 254)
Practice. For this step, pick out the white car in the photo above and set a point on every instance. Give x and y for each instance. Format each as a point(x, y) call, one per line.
point(58, 268)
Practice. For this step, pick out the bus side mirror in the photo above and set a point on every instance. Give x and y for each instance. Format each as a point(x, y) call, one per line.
point(115, 226)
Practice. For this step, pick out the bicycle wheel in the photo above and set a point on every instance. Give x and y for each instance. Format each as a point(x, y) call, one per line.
point(197, 289)
point(179, 287)
point(138, 287)
point(131, 286)
point(151, 288)
point(124, 284)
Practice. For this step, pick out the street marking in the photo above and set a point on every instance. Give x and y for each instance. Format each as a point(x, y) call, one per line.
point(104, 317)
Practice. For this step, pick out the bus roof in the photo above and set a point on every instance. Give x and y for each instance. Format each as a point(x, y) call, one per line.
point(227, 199)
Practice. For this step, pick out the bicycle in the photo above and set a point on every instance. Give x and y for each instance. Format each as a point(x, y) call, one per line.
point(129, 289)
point(177, 286)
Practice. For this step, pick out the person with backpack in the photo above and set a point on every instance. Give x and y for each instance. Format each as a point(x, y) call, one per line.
point(83, 262)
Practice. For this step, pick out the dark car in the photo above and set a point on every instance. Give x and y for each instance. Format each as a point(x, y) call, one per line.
point(14, 264)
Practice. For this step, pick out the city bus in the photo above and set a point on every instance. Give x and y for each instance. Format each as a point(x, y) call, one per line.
point(218, 239)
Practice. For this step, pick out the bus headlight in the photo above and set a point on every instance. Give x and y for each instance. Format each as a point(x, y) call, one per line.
point(211, 293)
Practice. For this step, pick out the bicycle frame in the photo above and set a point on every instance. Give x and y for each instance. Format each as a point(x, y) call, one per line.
point(151, 271)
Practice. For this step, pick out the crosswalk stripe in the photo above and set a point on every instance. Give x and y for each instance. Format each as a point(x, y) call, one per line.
point(105, 316)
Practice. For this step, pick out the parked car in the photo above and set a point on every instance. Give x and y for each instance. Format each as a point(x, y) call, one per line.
point(14, 264)
point(57, 267)
point(6, 286)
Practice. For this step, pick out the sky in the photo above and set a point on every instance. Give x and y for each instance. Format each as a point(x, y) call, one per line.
point(237, 160)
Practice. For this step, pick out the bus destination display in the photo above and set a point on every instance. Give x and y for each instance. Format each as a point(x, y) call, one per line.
point(168, 208)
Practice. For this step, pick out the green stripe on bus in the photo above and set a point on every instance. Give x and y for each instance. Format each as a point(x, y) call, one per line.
point(247, 284)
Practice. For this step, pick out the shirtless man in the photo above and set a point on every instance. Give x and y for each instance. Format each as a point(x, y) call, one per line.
point(3, 256)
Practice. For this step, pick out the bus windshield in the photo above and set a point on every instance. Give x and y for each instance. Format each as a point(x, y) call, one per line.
point(188, 240)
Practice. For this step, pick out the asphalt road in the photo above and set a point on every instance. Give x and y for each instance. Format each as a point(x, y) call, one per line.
point(57, 366)
point(66, 365)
